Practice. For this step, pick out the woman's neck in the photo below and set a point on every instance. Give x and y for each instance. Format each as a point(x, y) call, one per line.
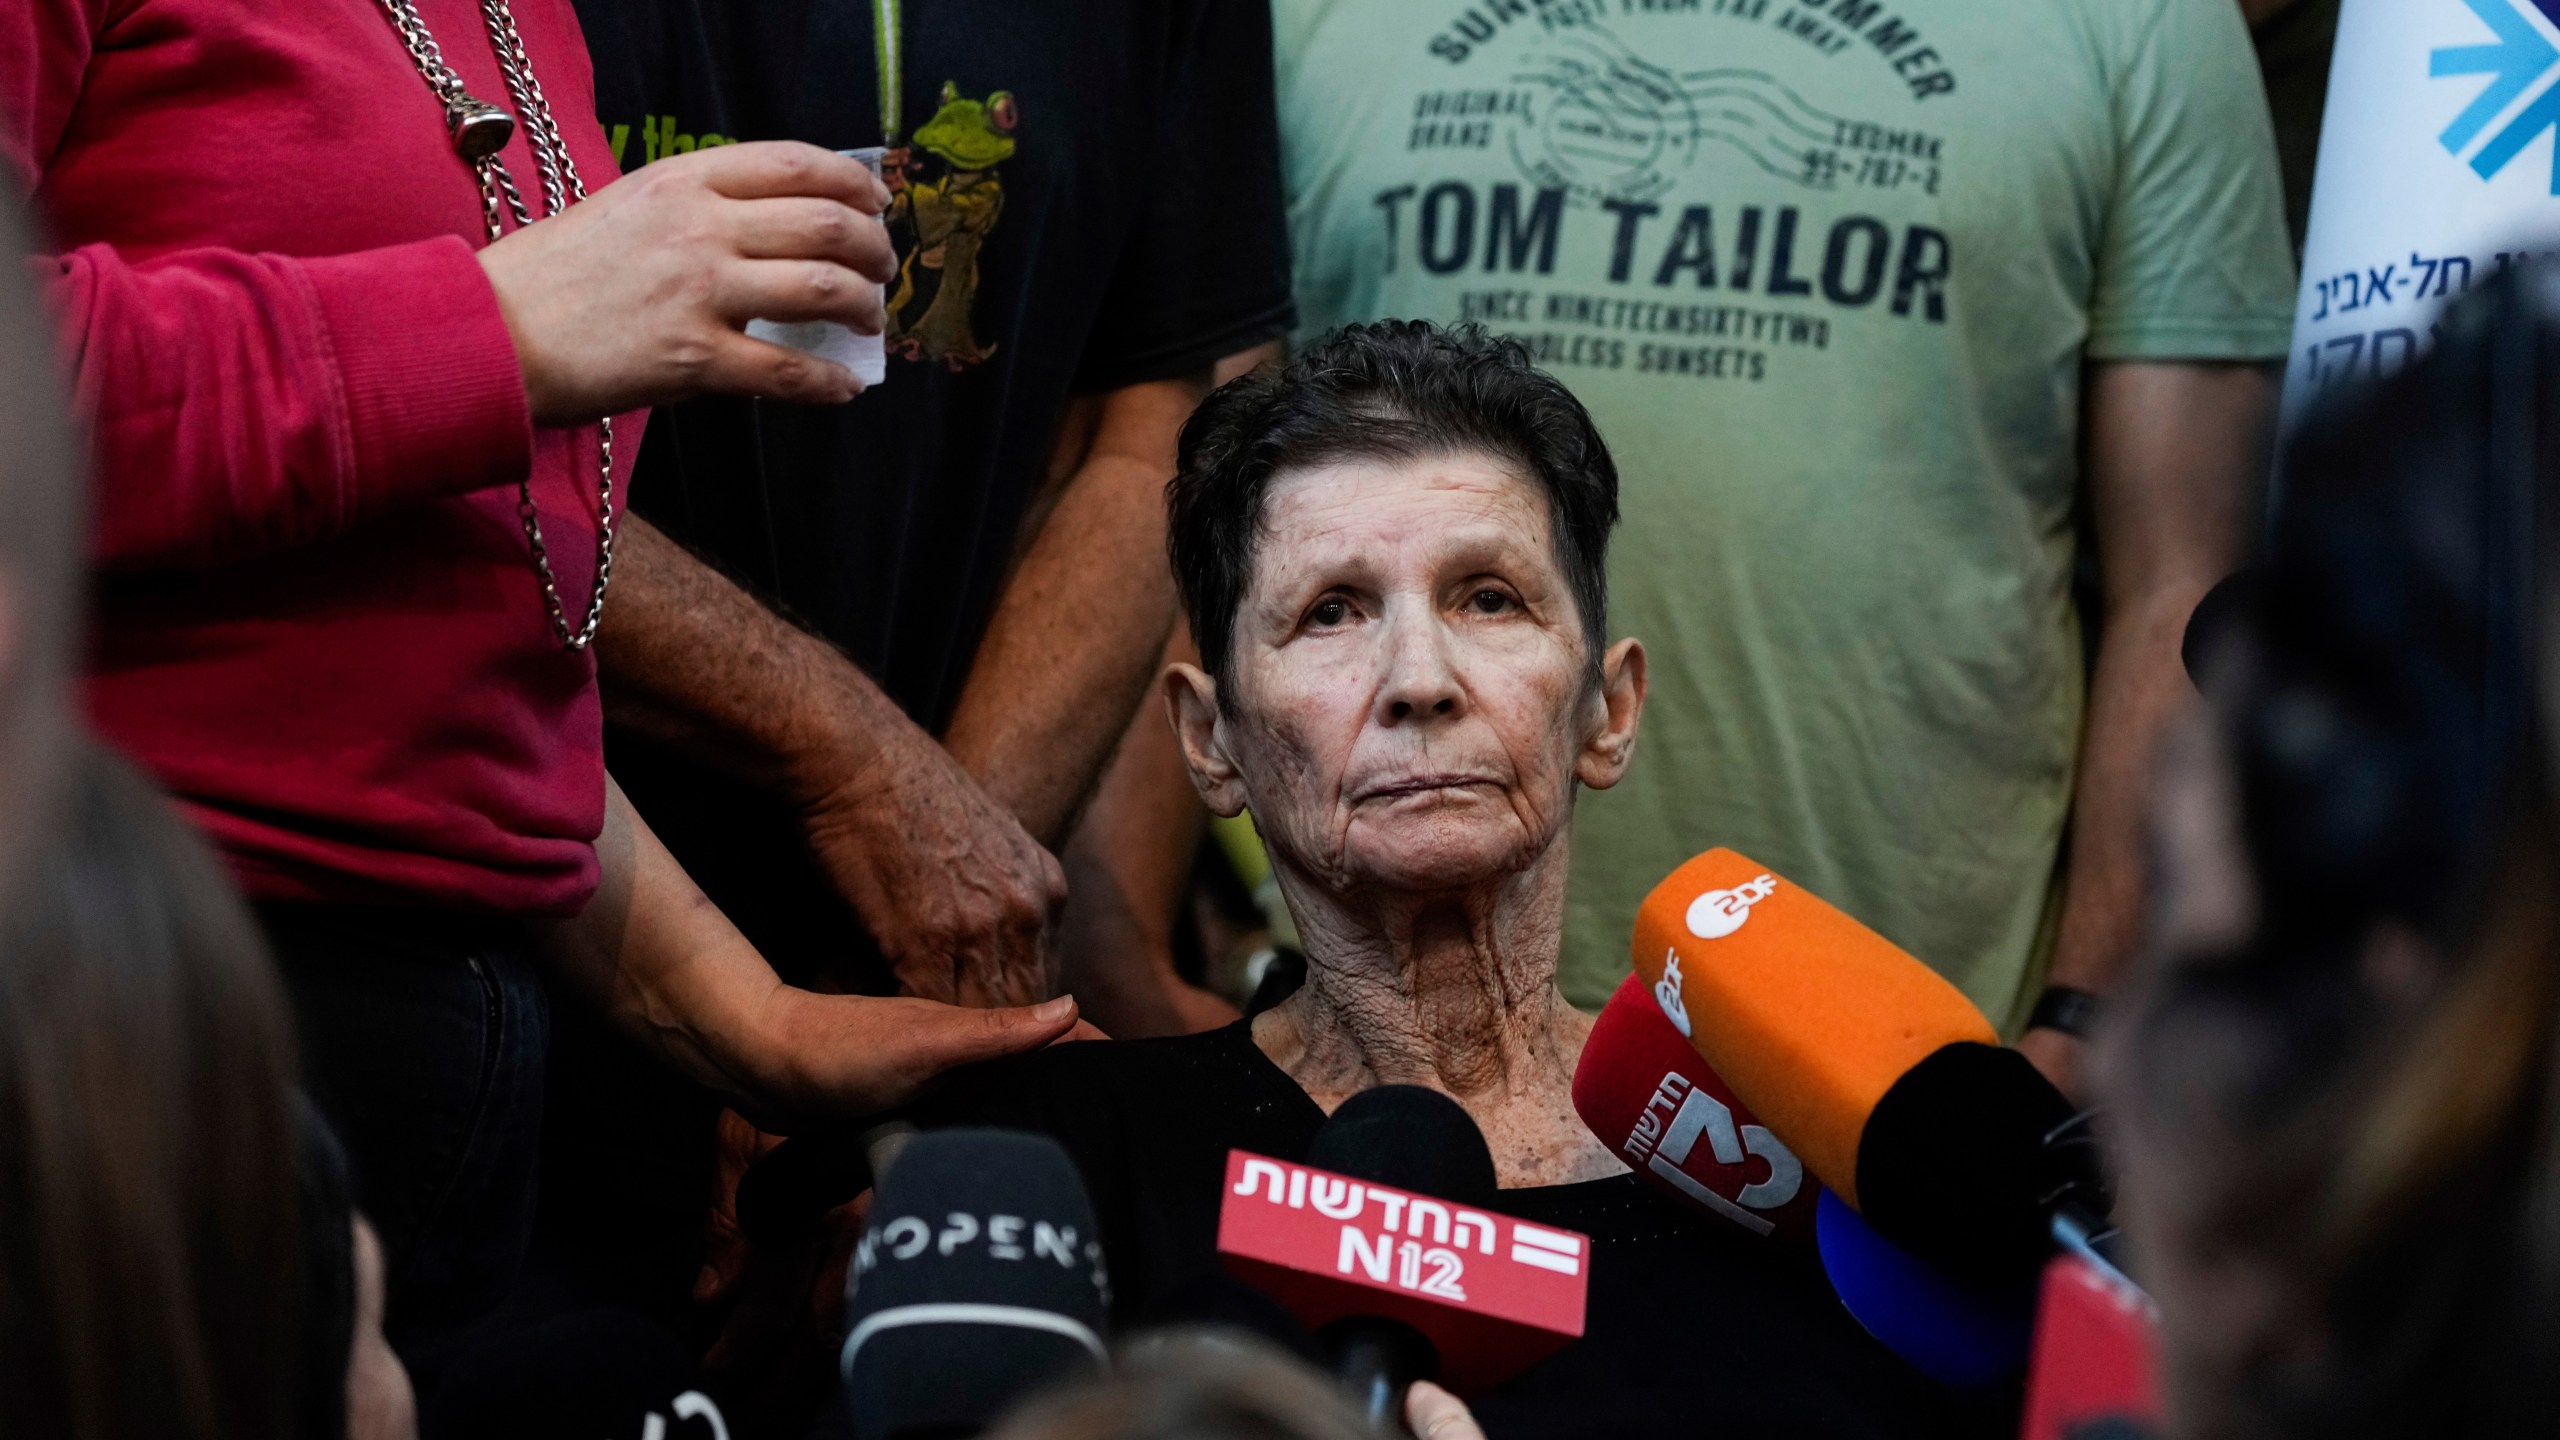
point(1456, 993)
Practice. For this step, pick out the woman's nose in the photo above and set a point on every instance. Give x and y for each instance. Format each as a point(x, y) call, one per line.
point(1420, 681)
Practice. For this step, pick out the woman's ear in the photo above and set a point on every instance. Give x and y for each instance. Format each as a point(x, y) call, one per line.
point(1620, 698)
point(1191, 702)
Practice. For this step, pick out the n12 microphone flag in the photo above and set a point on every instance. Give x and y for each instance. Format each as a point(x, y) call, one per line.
point(2438, 169)
point(1493, 1294)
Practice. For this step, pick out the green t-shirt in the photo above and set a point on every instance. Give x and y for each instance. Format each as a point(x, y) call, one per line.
point(1825, 272)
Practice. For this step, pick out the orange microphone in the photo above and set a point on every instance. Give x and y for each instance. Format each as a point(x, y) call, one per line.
point(1875, 1071)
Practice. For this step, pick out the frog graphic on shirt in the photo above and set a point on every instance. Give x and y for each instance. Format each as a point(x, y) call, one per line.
point(946, 219)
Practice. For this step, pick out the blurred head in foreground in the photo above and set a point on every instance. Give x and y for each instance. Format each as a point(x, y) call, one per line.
point(178, 1255)
point(1194, 1385)
point(2334, 1090)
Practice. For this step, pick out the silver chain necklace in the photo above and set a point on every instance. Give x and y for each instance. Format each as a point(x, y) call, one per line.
point(480, 130)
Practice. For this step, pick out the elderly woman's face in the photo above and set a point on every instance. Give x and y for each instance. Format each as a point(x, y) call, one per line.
point(1409, 702)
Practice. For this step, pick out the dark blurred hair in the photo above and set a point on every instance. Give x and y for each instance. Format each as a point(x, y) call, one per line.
point(40, 554)
point(1396, 390)
point(149, 1246)
point(2357, 1106)
point(1194, 1385)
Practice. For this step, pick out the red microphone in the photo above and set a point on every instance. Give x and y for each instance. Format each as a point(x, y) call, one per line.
point(1648, 1095)
point(1492, 1294)
point(2095, 1366)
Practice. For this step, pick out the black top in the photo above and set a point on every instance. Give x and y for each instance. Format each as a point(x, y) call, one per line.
point(1092, 200)
point(1691, 1327)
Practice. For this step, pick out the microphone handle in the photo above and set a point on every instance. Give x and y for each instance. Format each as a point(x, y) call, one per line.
point(1377, 1360)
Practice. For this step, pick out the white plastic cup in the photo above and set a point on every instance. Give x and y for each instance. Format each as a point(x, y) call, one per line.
point(867, 356)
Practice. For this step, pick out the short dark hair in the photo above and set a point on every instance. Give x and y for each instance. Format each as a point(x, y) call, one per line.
point(1393, 390)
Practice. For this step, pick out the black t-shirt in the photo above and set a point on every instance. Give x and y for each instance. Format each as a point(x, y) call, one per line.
point(1092, 201)
point(1692, 1327)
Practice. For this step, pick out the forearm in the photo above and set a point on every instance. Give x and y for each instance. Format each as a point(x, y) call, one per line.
point(667, 968)
point(2176, 454)
point(958, 898)
point(2138, 691)
point(661, 961)
point(246, 404)
point(1076, 635)
point(690, 659)
point(1128, 874)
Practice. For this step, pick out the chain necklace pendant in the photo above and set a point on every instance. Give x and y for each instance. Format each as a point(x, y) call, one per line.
point(479, 131)
point(479, 128)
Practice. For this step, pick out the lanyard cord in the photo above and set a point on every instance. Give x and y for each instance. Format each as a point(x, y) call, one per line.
point(892, 66)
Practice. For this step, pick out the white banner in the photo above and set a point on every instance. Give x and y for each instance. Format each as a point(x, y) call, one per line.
point(2438, 168)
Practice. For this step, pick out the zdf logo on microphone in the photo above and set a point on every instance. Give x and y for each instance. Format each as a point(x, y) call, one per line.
point(1719, 913)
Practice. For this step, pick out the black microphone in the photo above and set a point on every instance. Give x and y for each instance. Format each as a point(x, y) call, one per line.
point(979, 1279)
point(1414, 1139)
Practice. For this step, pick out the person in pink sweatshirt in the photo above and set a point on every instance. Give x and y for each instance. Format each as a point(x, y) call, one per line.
point(361, 325)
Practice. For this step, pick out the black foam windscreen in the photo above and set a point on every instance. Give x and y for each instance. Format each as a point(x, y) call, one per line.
point(1409, 1137)
point(1958, 1163)
point(979, 1278)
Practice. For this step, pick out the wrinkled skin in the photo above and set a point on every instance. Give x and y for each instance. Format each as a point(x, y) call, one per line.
point(1409, 709)
point(1408, 662)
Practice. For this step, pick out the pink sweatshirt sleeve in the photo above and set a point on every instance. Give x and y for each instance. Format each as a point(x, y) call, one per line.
point(242, 404)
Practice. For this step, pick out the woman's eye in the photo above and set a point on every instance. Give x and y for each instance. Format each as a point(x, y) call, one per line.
point(1330, 611)
point(1489, 602)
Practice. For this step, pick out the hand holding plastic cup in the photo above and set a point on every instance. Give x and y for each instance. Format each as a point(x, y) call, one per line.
point(867, 356)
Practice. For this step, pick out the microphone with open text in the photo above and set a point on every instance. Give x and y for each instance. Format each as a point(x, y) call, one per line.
point(979, 1278)
point(1386, 1245)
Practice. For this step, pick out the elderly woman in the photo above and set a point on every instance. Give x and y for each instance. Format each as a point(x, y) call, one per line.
point(1392, 552)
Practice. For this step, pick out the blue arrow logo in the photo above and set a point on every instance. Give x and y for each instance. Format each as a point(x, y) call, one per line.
point(2520, 57)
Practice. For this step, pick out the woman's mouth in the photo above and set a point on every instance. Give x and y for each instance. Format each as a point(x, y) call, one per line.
point(1413, 785)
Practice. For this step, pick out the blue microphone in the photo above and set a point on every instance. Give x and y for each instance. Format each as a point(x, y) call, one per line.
point(1964, 1337)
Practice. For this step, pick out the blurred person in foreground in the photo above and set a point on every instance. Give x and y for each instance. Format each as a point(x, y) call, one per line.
point(1391, 550)
point(179, 1255)
point(2337, 1098)
point(1215, 1385)
point(362, 323)
point(39, 560)
point(1892, 310)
